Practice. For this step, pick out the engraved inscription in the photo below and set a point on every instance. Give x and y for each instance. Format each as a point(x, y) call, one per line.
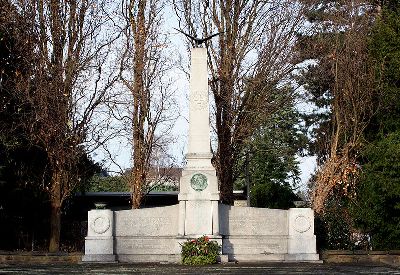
point(248, 221)
point(243, 226)
point(146, 226)
point(199, 100)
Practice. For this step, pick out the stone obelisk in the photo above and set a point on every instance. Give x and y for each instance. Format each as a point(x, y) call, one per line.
point(199, 195)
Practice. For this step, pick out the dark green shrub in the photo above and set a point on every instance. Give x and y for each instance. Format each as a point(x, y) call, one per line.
point(377, 208)
point(333, 227)
point(273, 195)
point(200, 251)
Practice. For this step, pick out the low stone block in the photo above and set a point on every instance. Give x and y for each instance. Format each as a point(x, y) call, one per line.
point(256, 257)
point(302, 257)
point(146, 258)
point(300, 245)
point(99, 258)
point(254, 245)
point(223, 259)
point(156, 245)
point(98, 245)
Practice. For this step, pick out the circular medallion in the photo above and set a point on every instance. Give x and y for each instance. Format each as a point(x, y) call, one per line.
point(301, 224)
point(100, 224)
point(198, 182)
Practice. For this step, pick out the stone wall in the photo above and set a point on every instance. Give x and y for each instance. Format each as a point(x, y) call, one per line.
point(246, 234)
point(361, 256)
point(39, 258)
point(261, 234)
point(247, 221)
point(140, 233)
point(157, 221)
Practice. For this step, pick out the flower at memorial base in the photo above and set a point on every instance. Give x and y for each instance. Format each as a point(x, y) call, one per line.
point(200, 251)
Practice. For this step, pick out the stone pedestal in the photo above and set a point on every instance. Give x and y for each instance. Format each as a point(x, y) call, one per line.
point(301, 238)
point(99, 243)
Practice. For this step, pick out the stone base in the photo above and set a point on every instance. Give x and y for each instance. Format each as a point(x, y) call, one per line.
point(159, 258)
point(223, 259)
point(99, 245)
point(256, 257)
point(147, 245)
point(305, 257)
point(254, 245)
point(139, 249)
point(299, 245)
point(99, 258)
point(149, 258)
point(274, 258)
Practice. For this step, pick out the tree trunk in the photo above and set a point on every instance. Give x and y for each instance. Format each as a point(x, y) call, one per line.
point(225, 158)
point(224, 122)
point(225, 175)
point(140, 99)
point(137, 183)
point(55, 228)
point(55, 216)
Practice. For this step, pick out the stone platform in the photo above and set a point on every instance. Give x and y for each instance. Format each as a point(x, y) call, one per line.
point(246, 235)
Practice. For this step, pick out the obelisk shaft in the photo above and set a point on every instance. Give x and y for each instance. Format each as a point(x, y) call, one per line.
point(199, 126)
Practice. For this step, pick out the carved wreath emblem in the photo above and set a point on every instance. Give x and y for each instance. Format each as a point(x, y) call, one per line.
point(301, 224)
point(100, 224)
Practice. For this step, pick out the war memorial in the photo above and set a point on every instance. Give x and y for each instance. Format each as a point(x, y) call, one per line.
point(246, 234)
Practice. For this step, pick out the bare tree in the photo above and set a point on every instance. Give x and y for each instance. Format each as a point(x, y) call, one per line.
point(143, 72)
point(251, 57)
point(63, 88)
point(341, 84)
